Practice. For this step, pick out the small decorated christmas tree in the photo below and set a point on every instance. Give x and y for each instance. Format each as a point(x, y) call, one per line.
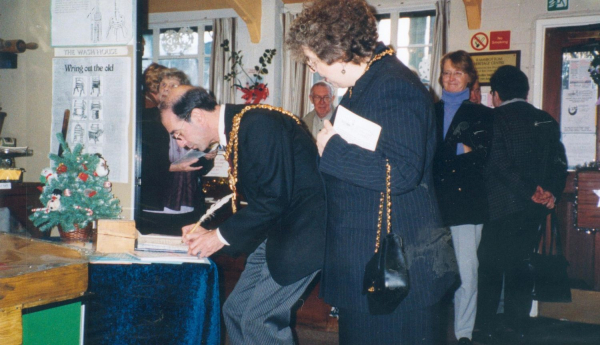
point(76, 191)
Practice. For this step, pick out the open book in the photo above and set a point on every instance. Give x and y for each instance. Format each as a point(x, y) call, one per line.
point(160, 243)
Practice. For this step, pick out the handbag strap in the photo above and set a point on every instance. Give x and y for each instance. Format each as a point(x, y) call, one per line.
point(554, 236)
point(385, 202)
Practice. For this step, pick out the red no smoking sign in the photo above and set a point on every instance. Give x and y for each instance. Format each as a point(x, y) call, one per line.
point(479, 41)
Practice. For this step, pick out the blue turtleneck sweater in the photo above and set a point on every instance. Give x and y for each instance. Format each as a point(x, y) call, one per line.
point(452, 101)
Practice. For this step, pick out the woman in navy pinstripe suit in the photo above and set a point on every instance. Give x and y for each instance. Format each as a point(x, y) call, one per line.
point(338, 39)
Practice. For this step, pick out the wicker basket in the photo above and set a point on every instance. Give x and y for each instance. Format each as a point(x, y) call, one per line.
point(78, 235)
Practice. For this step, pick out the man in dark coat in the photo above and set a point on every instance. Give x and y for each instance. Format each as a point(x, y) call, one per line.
point(525, 174)
point(274, 159)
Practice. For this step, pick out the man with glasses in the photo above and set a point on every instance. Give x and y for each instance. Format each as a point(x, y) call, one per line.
point(273, 161)
point(321, 96)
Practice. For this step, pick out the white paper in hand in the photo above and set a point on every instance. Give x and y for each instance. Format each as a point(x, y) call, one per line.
point(356, 129)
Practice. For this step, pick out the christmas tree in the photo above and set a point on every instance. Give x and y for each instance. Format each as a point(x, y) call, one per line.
point(76, 191)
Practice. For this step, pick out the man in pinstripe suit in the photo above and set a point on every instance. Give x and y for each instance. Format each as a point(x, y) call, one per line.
point(526, 172)
point(283, 225)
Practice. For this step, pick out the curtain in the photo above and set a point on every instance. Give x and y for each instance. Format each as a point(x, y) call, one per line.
point(295, 79)
point(223, 29)
point(440, 45)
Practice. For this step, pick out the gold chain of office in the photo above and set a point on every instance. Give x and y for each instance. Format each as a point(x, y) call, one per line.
point(232, 147)
point(389, 51)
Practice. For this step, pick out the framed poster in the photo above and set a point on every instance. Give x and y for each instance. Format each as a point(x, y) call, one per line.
point(91, 22)
point(487, 63)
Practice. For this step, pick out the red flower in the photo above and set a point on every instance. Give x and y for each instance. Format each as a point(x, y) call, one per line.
point(255, 93)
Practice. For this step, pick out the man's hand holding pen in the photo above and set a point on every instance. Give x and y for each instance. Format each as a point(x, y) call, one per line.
point(202, 243)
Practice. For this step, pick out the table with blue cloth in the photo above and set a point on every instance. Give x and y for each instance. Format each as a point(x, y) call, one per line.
point(152, 304)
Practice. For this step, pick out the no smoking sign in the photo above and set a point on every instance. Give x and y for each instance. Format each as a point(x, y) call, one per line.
point(479, 41)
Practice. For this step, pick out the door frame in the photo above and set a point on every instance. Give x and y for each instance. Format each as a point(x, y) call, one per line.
point(540, 34)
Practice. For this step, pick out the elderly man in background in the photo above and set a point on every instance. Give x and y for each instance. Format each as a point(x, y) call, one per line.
point(321, 96)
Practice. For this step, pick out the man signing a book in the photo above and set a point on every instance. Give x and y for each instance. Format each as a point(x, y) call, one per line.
point(273, 167)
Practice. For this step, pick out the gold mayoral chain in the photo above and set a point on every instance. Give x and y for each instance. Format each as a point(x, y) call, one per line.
point(389, 51)
point(232, 171)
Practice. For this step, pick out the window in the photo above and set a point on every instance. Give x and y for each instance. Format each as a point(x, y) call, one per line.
point(411, 34)
point(187, 48)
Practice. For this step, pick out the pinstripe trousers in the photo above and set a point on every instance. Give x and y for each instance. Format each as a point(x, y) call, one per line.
point(258, 310)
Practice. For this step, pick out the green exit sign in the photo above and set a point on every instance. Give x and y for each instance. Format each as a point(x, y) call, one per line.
point(558, 5)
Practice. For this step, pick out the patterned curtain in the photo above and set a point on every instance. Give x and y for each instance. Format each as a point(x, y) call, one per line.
point(296, 78)
point(223, 29)
point(440, 45)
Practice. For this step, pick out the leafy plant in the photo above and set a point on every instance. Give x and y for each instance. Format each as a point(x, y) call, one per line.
point(237, 67)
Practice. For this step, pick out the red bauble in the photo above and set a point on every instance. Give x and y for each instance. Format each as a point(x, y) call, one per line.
point(83, 176)
point(61, 168)
point(89, 193)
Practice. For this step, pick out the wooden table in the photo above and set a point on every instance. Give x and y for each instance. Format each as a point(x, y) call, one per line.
point(35, 273)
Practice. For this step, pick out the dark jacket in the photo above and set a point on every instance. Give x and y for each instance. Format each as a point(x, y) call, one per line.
point(459, 181)
point(526, 152)
point(390, 95)
point(279, 179)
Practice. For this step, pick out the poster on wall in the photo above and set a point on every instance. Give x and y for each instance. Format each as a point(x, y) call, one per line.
point(91, 22)
point(97, 93)
point(487, 63)
point(578, 107)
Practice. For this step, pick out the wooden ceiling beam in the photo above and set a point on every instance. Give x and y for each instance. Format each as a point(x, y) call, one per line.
point(473, 8)
point(251, 12)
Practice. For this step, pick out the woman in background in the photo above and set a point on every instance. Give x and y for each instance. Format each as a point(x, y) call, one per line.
point(464, 137)
point(171, 192)
point(338, 40)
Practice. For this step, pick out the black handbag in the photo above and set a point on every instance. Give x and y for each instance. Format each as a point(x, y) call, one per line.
point(386, 281)
point(551, 281)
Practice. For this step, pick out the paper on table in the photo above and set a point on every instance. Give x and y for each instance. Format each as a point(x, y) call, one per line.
point(356, 129)
point(174, 258)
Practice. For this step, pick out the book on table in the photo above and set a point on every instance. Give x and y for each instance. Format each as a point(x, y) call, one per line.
point(164, 249)
point(160, 243)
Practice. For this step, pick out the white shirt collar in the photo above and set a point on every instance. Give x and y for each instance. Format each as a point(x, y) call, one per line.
point(513, 100)
point(222, 136)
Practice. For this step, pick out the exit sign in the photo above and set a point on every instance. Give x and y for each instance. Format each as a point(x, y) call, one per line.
point(558, 5)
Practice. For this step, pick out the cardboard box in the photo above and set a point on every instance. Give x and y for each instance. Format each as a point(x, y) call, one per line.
point(115, 236)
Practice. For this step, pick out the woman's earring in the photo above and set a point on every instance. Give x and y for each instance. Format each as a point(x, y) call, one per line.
point(344, 69)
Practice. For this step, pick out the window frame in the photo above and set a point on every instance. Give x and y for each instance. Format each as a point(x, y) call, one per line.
point(202, 26)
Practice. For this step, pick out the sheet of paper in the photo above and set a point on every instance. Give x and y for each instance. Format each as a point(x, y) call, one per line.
point(356, 129)
point(171, 258)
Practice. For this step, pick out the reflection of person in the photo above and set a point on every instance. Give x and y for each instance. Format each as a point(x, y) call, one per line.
point(321, 96)
point(283, 225)
point(464, 135)
point(526, 171)
point(386, 92)
point(171, 195)
point(475, 95)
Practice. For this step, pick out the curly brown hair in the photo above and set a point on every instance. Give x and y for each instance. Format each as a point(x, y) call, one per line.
point(335, 30)
point(152, 77)
point(461, 60)
point(174, 73)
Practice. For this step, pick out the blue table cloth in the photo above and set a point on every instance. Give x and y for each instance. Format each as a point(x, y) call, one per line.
point(152, 304)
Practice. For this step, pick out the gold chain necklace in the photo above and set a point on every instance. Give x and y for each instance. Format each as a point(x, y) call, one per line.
point(389, 51)
point(232, 146)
